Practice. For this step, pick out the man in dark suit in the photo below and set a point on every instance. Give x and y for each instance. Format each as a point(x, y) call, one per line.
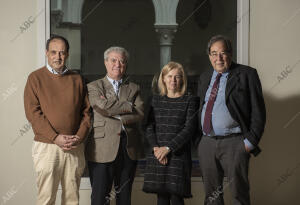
point(115, 144)
point(231, 122)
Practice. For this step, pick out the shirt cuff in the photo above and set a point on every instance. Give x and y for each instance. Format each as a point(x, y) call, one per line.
point(248, 144)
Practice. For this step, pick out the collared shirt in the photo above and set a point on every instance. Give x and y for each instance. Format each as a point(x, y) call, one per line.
point(222, 122)
point(54, 71)
point(116, 84)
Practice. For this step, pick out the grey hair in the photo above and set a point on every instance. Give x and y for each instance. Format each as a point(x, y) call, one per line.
point(216, 38)
point(116, 49)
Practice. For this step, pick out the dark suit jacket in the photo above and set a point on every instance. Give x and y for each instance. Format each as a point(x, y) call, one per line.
point(244, 100)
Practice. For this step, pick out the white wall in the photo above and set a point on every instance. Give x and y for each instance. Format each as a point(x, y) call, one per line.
point(18, 58)
point(274, 45)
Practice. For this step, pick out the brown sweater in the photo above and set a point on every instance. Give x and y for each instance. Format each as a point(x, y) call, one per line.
point(56, 104)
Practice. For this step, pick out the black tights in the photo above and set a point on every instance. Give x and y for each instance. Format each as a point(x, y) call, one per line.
point(164, 199)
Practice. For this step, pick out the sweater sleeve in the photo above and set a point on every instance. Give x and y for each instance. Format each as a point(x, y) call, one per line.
point(34, 113)
point(85, 123)
point(189, 127)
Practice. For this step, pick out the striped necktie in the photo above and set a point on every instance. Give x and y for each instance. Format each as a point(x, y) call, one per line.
point(117, 86)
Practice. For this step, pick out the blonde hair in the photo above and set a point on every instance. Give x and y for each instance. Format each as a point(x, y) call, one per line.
point(165, 70)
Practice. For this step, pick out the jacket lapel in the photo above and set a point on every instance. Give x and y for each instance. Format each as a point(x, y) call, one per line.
point(233, 79)
point(109, 90)
point(124, 89)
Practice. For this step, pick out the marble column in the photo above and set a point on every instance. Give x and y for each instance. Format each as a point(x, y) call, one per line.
point(166, 26)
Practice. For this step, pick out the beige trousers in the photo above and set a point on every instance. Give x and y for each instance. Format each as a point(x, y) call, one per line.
point(54, 166)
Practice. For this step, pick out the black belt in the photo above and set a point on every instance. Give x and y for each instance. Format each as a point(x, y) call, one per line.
point(219, 137)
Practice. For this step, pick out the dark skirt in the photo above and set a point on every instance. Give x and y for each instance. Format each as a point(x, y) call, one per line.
point(172, 178)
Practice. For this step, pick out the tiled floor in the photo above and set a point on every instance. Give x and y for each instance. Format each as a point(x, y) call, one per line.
point(141, 198)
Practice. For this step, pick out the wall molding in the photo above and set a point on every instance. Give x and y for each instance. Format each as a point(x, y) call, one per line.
point(243, 24)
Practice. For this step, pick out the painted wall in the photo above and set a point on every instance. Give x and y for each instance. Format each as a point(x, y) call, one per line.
point(18, 58)
point(274, 51)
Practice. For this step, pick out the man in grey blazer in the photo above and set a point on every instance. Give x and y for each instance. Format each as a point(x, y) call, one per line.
point(115, 144)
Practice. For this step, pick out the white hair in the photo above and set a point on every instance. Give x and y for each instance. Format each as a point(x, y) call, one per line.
point(116, 49)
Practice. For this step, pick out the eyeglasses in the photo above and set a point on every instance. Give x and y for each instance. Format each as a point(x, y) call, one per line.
point(221, 54)
point(114, 60)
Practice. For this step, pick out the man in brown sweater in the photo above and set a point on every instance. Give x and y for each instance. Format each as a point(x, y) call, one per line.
point(57, 106)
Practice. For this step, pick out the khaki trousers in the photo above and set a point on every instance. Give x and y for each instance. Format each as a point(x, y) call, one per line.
point(54, 166)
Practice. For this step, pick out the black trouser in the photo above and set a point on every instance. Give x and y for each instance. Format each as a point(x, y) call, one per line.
point(121, 172)
point(219, 157)
point(164, 199)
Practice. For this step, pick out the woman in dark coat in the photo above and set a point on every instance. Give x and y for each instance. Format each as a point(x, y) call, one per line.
point(171, 124)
